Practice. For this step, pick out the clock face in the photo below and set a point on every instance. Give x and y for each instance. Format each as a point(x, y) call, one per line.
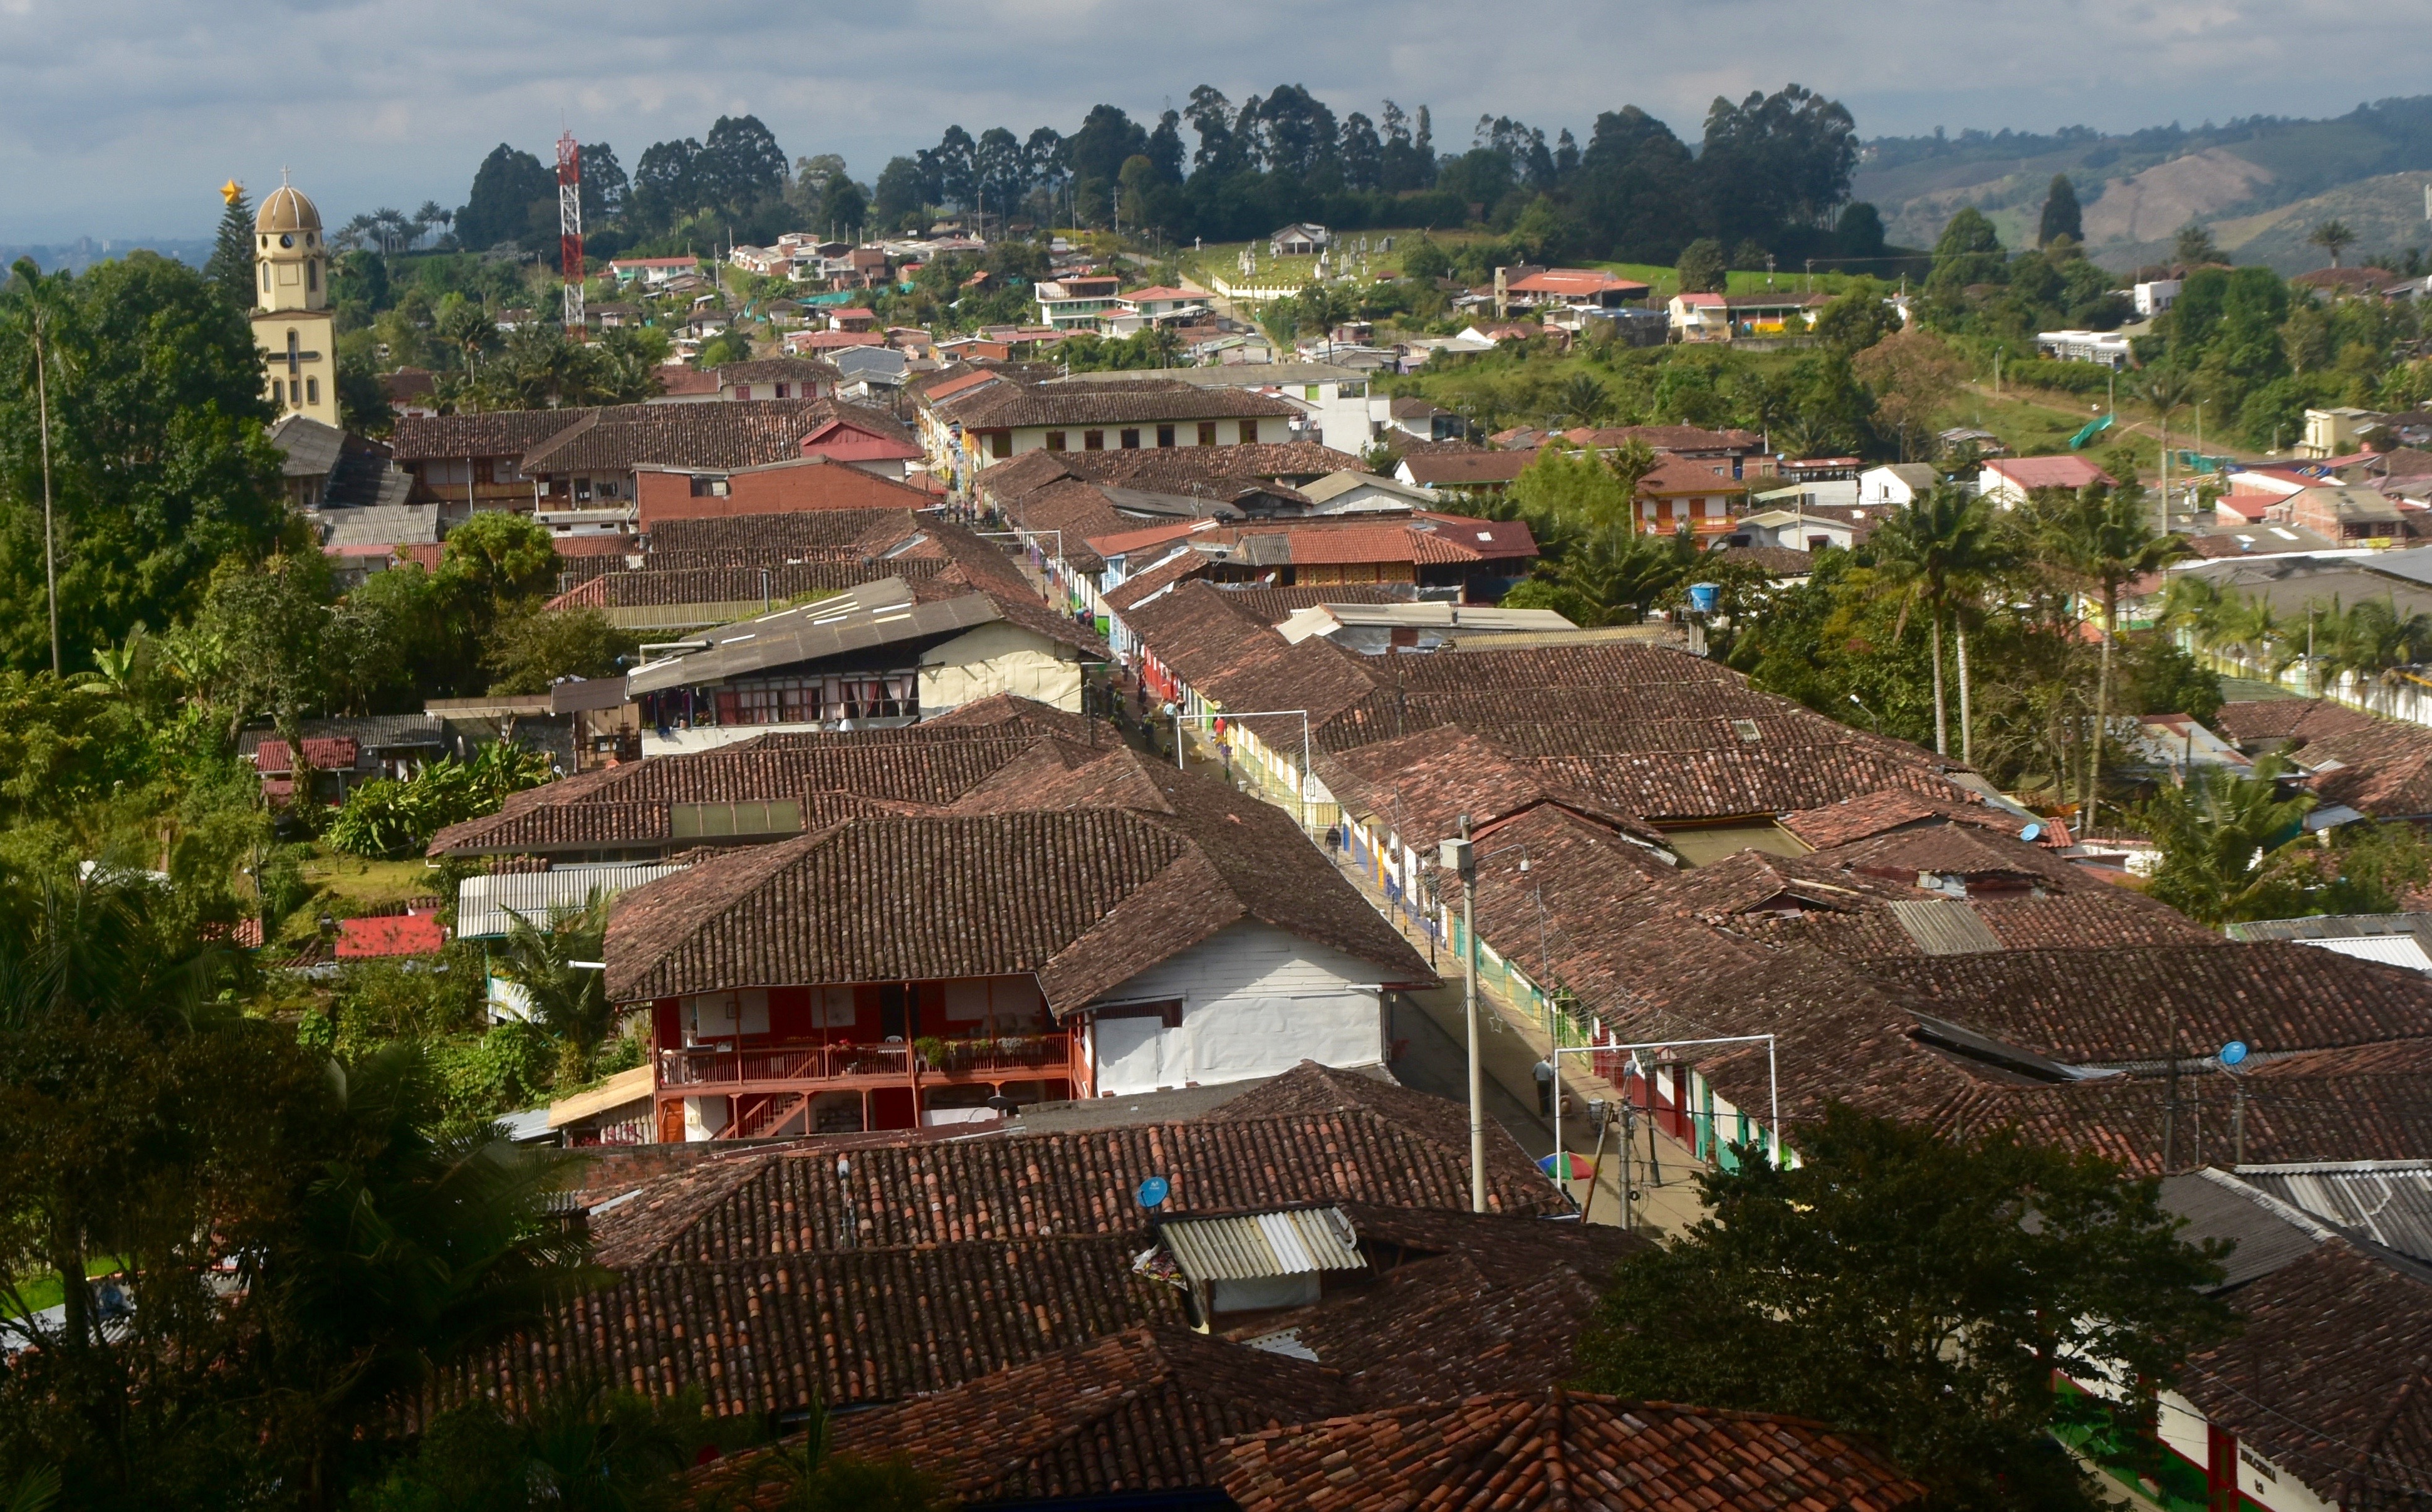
point(287, 240)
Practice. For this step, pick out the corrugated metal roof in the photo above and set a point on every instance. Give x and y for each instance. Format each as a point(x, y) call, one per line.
point(2390, 1202)
point(1264, 1244)
point(2265, 1228)
point(2389, 949)
point(2333, 926)
point(1944, 925)
point(482, 902)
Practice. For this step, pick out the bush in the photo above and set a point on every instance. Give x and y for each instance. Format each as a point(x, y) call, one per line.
point(386, 819)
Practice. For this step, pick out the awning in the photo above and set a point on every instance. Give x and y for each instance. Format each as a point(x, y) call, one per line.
point(1255, 1245)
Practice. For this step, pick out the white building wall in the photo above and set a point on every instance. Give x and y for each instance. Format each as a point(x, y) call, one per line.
point(1257, 1000)
point(998, 658)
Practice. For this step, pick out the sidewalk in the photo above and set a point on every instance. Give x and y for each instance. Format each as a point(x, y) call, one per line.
point(1658, 1168)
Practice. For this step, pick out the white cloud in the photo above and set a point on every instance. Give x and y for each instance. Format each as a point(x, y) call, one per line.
point(119, 117)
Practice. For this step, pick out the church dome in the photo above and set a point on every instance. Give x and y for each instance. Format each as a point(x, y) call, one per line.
point(287, 211)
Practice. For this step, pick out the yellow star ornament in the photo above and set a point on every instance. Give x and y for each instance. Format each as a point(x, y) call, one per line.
point(230, 191)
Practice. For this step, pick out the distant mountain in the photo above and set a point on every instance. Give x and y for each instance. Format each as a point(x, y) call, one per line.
point(85, 251)
point(2261, 184)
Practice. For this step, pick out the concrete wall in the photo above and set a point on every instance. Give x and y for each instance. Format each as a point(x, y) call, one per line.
point(1257, 1000)
point(999, 657)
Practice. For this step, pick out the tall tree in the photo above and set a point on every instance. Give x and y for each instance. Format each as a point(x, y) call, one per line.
point(231, 267)
point(507, 188)
point(1935, 550)
point(2333, 237)
point(159, 462)
point(2061, 215)
point(2102, 537)
point(1927, 1291)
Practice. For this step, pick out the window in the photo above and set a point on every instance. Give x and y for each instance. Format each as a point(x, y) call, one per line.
point(743, 391)
point(1309, 393)
point(1131, 439)
point(265, 274)
point(312, 275)
point(278, 392)
point(999, 443)
point(1055, 441)
point(583, 490)
point(780, 391)
point(311, 391)
point(832, 1008)
point(1093, 441)
point(1165, 435)
point(1207, 432)
point(706, 486)
point(1249, 432)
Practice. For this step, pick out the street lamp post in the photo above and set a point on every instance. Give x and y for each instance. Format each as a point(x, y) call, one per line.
point(1460, 857)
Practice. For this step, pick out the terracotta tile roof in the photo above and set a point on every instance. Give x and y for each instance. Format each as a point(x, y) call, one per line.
point(2365, 1103)
point(673, 587)
point(1557, 1449)
point(929, 763)
point(831, 534)
point(2046, 472)
point(842, 1327)
point(2294, 719)
point(1421, 784)
point(621, 437)
point(1872, 814)
point(1311, 1136)
point(1683, 476)
point(1182, 566)
point(1669, 437)
point(1462, 469)
point(1213, 471)
point(1081, 402)
point(2121, 1003)
point(1143, 1410)
point(2385, 768)
point(1004, 482)
point(2327, 1379)
point(327, 753)
point(500, 433)
point(1083, 898)
point(1273, 606)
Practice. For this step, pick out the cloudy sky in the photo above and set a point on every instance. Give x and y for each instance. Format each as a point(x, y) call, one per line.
point(119, 117)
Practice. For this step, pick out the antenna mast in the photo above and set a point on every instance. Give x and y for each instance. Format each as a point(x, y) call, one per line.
point(570, 227)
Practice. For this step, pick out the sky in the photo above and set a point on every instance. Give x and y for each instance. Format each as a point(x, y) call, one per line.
point(120, 118)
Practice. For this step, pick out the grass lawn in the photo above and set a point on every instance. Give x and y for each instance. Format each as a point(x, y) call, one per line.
point(46, 1291)
point(368, 883)
point(1217, 260)
point(1663, 283)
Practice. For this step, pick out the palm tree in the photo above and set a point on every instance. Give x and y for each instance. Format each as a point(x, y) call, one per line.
point(1580, 399)
point(410, 1249)
point(2377, 645)
point(2332, 237)
point(2164, 390)
point(2225, 845)
point(567, 999)
point(2103, 540)
point(1937, 548)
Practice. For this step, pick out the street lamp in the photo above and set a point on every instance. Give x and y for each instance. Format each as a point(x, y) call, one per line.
point(1460, 857)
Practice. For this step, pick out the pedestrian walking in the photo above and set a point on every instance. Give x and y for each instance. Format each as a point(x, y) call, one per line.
point(1543, 1072)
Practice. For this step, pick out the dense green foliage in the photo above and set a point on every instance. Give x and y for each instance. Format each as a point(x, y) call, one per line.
point(1921, 1290)
point(388, 819)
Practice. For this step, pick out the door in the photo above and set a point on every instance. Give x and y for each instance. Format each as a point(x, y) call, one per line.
point(1130, 1053)
point(893, 1023)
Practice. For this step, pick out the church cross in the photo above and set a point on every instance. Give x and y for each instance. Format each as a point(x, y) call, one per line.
point(296, 357)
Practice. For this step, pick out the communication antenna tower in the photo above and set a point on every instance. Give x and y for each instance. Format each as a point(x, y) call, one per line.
point(570, 227)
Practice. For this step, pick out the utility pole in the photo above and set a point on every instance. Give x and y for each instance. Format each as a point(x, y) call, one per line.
point(43, 413)
point(1460, 857)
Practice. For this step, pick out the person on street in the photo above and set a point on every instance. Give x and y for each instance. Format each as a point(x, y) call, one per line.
point(1545, 1074)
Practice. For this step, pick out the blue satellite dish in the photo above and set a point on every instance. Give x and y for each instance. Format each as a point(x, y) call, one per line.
point(1152, 1191)
point(2233, 1052)
point(2033, 831)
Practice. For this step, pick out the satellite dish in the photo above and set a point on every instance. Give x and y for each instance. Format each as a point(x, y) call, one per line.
point(2233, 1052)
point(2033, 831)
point(1152, 1192)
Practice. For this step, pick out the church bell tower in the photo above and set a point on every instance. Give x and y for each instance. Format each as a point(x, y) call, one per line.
point(292, 322)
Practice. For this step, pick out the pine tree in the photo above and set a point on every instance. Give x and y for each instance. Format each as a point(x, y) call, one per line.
point(2061, 215)
point(230, 269)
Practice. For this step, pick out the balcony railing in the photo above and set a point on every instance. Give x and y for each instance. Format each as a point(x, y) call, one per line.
point(826, 1062)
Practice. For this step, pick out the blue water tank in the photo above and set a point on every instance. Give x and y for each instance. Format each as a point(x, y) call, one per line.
point(1702, 597)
